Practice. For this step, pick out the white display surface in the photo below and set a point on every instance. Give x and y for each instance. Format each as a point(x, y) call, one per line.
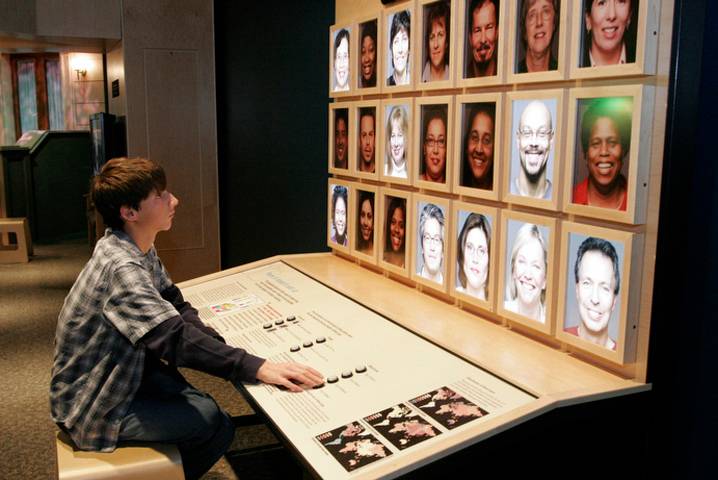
point(391, 394)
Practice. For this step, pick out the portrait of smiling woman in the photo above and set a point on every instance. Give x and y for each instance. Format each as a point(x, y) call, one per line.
point(437, 34)
point(365, 222)
point(472, 256)
point(538, 33)
point(527, 263)
point(399, 49)
point(395, 232)
point(609, 32)
point(341, 61)
point(367, 54)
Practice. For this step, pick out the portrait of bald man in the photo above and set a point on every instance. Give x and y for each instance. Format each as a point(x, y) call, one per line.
point(532, 152)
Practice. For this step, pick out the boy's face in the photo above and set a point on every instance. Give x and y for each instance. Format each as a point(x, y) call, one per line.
point(156, 212)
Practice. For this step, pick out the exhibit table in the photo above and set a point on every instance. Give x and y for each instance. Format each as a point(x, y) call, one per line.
point(409, 378)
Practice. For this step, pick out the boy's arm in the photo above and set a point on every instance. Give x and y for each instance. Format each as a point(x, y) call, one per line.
point(189, 314)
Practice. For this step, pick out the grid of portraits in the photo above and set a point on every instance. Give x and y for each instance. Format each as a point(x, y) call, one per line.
point(462, 174)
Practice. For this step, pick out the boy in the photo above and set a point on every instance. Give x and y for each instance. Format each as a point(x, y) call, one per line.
point(125, 327)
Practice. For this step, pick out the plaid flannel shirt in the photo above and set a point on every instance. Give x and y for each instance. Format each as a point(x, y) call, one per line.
point(99, 363)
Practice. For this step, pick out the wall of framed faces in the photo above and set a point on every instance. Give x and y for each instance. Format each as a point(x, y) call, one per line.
point(506, 156)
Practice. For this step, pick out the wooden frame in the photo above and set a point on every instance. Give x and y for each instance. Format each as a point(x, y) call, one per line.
point(628, 247)
point(378, 52)
point(461, 139)
point(460, 212)
point(332, 243)
point(638, 159)
point(421, 104)
point(463, 28)
point(419, 203)
point(387, 108)
point(385, 259)
point(333, 107)
point(334, 32)
point(360, 142)
point(387, 61)
point(644, 24)
point(512, 224)
point(356, 220)
point(558, 45)
point(553, 100)
point(422, 8)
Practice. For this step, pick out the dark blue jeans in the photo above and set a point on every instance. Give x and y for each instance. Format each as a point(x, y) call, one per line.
point(167, 409)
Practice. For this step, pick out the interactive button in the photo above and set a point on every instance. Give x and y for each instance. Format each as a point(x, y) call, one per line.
point(291, 318)
point(318, 386)
point(294, 348)
point(347, 374)
point(332, 379)
point(307, 344)
point(321, 339)
point(279, 322)
point(361, 369)
point(267, 325)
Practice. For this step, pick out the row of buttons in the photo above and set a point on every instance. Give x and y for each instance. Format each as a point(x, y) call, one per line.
point(307, 344)
point(346, 374)
point(279, 322)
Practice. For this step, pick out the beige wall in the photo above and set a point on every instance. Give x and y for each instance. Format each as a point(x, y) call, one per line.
point(349, 10)
point(168, 65)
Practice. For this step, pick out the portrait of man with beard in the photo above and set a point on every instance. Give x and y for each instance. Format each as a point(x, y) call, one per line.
point(532, 152)
point(482, 39)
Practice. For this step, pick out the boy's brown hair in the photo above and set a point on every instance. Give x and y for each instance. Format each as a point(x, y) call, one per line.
point(125, 182)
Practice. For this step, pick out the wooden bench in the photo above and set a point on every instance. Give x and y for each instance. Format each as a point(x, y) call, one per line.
point(131, 462)
point(19, 252)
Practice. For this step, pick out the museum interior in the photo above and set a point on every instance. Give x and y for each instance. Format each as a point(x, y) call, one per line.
point(289, 132)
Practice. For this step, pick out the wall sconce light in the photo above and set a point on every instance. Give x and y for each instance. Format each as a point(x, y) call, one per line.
point(81, 73)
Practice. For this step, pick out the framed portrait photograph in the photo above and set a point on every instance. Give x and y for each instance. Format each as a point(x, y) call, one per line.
point(614, 38)
point(481, 42)
point(438, 45)
point(365, 240)
point(399, 31)
point(367, 118)
point(340, 61)
point(534, 131)
point(395, 213)
point(606, 168)
point(475, 250)
point(433, 133)
point(340, 151)
point(526, 272)
point(537, 42)
point(596, 310)
point(339, 214)
point(477, 145)
point(369, 51)
point(396, 148)
point(430, 252)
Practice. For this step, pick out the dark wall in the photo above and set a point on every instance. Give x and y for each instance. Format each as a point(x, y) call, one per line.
point(272, 65)
point(683, 438)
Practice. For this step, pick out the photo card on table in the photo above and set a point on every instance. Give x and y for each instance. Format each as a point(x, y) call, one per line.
point(339, 214)
point(534, 140)
point(607, 159)
point(431, 246)
point(598, 299)
point(341, 54)
point(538, 40)
point(396, 150)
point(400, 32)
point(526, 269)
point(433, 134)
point(478, 145)
point(395, 214)
point(340, 128)
point(369, 55)
point(614, 38)
point(481, 42)
point(364, 222)
point(368, 146)
point(474, 253)
point(437, 49)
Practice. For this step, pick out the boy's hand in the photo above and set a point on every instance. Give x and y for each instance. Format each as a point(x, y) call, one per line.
point(292, 376)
